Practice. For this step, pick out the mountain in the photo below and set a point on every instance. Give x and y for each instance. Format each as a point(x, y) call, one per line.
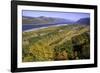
point(44, 20)
point(84, 21)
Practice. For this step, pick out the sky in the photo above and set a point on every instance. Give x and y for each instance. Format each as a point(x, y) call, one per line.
point(66, 15)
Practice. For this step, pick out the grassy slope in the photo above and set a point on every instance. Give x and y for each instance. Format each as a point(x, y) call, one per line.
point(56, 43)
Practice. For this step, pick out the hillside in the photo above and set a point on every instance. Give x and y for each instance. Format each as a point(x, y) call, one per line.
point(84, 21)
point(42, 20)
point(69, 42)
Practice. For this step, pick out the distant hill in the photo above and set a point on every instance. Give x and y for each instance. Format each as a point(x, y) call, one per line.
point(44, 20)
point(84, 21)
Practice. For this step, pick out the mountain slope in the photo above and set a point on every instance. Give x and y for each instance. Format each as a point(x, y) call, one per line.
point(44, 20)
point(84, 21)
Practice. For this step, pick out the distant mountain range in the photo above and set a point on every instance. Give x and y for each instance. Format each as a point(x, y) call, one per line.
point(42, 20)
point(84, 21)
point(45, 20)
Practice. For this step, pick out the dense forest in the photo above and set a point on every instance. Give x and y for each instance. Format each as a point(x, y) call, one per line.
point(67, 42)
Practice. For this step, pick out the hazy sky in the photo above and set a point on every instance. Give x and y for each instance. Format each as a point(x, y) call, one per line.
point(66, 15)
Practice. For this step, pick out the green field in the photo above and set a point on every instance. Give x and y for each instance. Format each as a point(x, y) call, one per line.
point(68, 42)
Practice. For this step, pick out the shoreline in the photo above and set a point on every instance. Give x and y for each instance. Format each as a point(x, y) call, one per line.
point(44, 27)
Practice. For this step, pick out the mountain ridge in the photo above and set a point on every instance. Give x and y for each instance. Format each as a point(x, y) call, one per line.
point(85, 21)
point(45, 20)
